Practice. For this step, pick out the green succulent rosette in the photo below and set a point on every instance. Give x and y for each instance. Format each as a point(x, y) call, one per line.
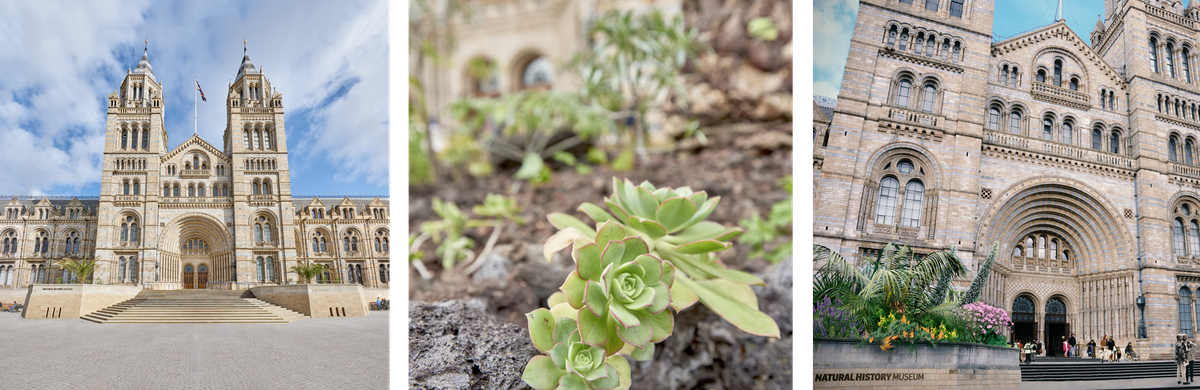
point(621, 292)
point(570, 364)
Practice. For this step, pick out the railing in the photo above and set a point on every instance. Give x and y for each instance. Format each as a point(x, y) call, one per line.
point(1052, 91)
point(129, 198)
point(1056, 149)
point(1185, 170)
point(262, 198)
point(258, 110)
point(133, 110)
point(1169, 16)
point(194, 173)
point(915, 117)
point(196, 199)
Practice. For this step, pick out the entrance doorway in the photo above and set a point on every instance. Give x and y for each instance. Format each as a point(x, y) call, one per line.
point(189, 277)
point(202, 277)
point(1024, 322)
point(1056, 326)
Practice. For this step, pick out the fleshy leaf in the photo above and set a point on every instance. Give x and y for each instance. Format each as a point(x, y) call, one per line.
point(634, 247)
point(587, 261)
point(643, 300)
point(652, 268)
point(610, 231)
point(572, 382)
point(663, 324)
point(625, 317)
point(703, 211)
point(703, 246)
point(617, 211)
point(651, 228)
point(561, 240)
point(628, 198)
point(541, 329)
point(563, 310)
point(610, 380)
point(674, 212)
point(563, 327)
point(541, 373)
point(563, 221)
point(623, 373)
point(647, 203)
point(682, 297)
point(556, 298)
point(595, 299)
point(738, 291)
point(573, 288)
point(592, 330)
point(704, 230)
point(725, 273)
point(668, 275)
point(594, 212)
point(744, 317)
point(637, 335)
point(644, 353)
point(698, 197)
point(559, 355)
point(662, 298)
point(612, 254)
point(614, 341)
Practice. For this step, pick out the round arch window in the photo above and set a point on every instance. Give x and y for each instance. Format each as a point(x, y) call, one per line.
point(905, 166)
point(538, 73)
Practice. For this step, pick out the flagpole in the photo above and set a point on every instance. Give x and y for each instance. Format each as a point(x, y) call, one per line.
point(195, 108)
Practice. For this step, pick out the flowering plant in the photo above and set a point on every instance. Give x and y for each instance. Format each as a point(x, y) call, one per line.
point(830, 320)
point(902, 329)
point(991, 323)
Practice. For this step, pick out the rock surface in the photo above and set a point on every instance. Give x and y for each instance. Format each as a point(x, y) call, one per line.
point(710, 353)
point(458, 345)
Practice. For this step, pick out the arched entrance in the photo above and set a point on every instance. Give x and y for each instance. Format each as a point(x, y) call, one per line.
point(189, 277)
point(1024, 321)
point(1056, 326)
point(200, 242)
point(202, 277)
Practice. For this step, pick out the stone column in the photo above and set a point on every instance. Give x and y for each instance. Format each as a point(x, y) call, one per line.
point(1040, 325)
point(1193, 314)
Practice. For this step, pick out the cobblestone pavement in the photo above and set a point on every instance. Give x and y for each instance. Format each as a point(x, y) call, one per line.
point(314, 353)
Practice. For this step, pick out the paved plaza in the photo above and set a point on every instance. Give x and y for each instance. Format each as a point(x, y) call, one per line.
point(315, 353)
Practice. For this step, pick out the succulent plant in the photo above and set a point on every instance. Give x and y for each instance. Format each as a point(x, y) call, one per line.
point(624, 290)
point(570, 364)
point(671, 222)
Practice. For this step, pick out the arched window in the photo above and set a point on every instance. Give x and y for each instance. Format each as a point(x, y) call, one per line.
point(1041, 248)
point(126, 188)
point(200, 190)
point(904, 92)
point(1154, 54)
point(1004, 75)
point(903, 39)
point(267, 186)
point(382, 274)
point(1103, 96)
point(258, 234)
point(1171, 59)
point(1187, 151)
point(133, 269)
point(1172, 147)
point(224, 190)
point(1114, 142)
point(166, 190)
point(175, 189)
point(919, 43)
point(1048, 128)
point(1014, 122)
point(946, 50)
point(346, 243)
point(258, 268)
point(1187, 67)
point(889, 189)
point(316, 249)
point(1058, 65)
point(191, 190)
point(1194, 237)
point(1112, 104)
point(323, 244)
point(1041, 75)
point(257, 189)
point(267, 231)
point(927, 97)
point(1097, 138)
point(956, 8)
point(914, 200)
point(1074, 84)
point(954, 57)
point(354, 244)
point(121, 270)
point(539, 73)
point(1054, 249)
point(929, 47)
point(1068, 132)
point(246, 139)
point(931, 5)
point(124, 139)
point(270, 264)
point(1177, 234)
point(1185, 311)
point(145, 140)
point(1014, 77)
point(891, 37)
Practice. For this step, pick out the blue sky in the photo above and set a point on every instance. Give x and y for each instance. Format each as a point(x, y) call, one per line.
point(61, 60)
point(834, 22)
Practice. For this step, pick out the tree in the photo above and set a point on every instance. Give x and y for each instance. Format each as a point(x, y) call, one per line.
point(307, 271)
point(82, 268)
point(896, 280)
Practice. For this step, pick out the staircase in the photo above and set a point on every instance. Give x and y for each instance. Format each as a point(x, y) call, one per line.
point(193, 306)
point(1075, 369)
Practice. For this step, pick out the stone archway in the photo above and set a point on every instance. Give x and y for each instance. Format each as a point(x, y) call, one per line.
point(198, 240)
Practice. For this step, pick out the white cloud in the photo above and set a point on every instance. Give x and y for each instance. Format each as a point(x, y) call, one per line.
point(62, 60)
point(833, 24)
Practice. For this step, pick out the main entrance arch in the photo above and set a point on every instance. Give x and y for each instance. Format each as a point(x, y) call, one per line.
point(196, 252)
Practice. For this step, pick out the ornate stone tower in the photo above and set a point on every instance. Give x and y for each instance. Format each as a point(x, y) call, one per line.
point(256, 142)
point(134, 139)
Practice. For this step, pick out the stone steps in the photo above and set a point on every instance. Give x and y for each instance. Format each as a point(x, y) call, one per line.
point(194, 307)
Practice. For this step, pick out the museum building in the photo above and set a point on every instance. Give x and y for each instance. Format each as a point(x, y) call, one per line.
point(199, 215)
point(1079, 157)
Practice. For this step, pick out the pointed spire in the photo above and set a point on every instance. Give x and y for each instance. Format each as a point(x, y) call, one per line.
point(1099, 23)
point(247, 66)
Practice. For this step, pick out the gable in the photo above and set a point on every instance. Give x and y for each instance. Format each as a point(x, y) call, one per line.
point(195, 142)
point(1022, 49)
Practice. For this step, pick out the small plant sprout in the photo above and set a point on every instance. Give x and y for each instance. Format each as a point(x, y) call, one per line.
point(503, 209)
point(671, 222)
point(760, 233)
point(448, 234)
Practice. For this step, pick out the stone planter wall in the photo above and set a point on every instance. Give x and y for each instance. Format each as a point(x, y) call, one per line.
point(840, 363)
point(316, 300)
point(73, 300)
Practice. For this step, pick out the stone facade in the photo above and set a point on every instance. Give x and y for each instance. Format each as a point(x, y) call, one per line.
point(1077, 156)
point(199, 215)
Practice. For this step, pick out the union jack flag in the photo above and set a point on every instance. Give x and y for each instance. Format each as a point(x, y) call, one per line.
point(201, 91)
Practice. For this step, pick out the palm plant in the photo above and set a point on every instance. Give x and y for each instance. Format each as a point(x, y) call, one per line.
point(894, 281)
point(82, 268)
point(307, 271)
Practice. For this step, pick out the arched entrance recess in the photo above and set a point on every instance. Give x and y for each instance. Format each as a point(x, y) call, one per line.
point(1056, 325)
point(1024, 325)
point(199, 241)
point(1099, 239)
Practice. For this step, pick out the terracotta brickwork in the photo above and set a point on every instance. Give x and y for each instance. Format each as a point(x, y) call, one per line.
point(1078, 155)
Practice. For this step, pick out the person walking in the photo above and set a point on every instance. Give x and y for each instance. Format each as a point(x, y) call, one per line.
point(1091, 351)
point(1030, 350)
point(1066, 350)
point(1191, 359)
point(1071, 341)
point(1180, 358)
